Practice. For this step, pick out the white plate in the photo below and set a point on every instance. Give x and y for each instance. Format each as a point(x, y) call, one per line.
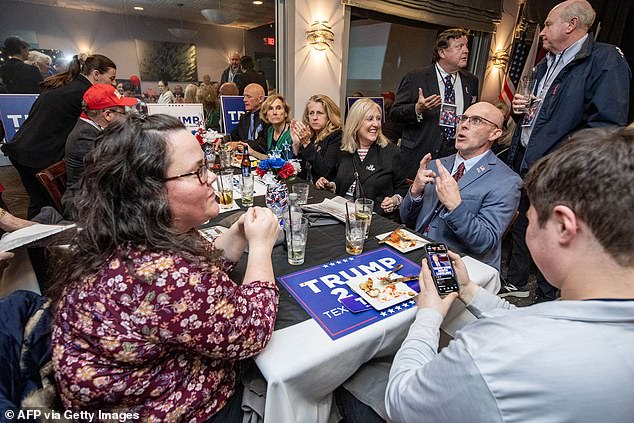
point(386, 296)
point(404, 246)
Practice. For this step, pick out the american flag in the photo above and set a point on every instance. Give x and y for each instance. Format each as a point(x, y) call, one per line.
point(515, 72)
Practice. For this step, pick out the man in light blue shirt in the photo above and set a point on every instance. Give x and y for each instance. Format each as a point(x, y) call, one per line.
point(470, 210)
point(559, 361)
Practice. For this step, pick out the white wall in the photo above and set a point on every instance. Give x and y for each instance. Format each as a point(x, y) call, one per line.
point(316, 72)
point(502, 39)
point(113, 35)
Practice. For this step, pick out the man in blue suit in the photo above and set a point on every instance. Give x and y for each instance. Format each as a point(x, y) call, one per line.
point(469, 206)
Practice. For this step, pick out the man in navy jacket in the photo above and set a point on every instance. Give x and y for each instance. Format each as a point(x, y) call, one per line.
point(580, 84)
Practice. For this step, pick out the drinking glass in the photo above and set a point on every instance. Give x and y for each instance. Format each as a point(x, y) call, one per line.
point(296, 234)
point(225, 158)
point(355, 235)
point(225, 188)
point(246, 190)
point(363, 211)
point(525, 89)
point(302, 193)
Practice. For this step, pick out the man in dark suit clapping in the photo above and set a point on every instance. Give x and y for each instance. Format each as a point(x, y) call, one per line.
point(429, 99)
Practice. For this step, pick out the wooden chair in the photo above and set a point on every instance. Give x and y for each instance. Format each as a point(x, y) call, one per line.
point(53, 179)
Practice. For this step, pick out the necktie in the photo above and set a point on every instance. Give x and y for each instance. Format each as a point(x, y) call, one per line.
point(449, 133)
point(251, 129)
point(459, 172)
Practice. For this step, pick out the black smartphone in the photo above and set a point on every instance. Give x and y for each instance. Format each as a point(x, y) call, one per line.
point(441, 269)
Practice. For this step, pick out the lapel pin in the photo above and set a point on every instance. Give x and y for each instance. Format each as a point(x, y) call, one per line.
point(370, 168)
point(481, 169)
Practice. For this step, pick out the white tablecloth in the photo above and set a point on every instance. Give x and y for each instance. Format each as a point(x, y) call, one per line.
point(303, 366)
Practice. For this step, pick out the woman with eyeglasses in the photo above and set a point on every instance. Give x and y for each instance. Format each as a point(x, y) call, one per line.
point(42, 136)
point(317, 138)
point(369, 165)
point(147, 319)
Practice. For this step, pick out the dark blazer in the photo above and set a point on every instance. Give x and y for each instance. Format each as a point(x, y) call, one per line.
point(225, 75)
point(250, 77)
point(80, 142)
point(420, 138)
point(322, 158)
point(41, 139)
point(21, 78)
point(380, 173)
point(490, 193)
point(241, 131)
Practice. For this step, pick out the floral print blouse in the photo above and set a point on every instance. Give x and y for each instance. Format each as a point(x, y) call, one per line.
point(159, 335)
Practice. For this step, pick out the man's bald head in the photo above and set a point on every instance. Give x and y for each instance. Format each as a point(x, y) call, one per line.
point(580, 9)
point(478, 129)
point(234, 60)
point(253, 97)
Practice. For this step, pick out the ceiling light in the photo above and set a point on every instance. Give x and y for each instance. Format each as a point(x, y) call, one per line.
point(258, 2)
point(137, 8)
point(182, 32)
point(219, 16)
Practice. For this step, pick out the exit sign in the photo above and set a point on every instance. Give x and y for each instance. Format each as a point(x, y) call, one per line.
point(269, 41)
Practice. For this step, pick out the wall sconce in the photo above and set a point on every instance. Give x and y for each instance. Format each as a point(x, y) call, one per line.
point(500, 58)
point(320, 35)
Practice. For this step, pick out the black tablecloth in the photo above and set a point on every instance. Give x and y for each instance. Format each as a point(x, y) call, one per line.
point(324, 244)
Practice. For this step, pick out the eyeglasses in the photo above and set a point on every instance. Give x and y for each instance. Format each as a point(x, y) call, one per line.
point(475, 120)
point(202, 173)
point(116, 111)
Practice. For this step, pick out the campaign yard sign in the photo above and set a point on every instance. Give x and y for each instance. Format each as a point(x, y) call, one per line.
point(191, 115)
point(322, 290)
point(14, 109)
point(232, 108)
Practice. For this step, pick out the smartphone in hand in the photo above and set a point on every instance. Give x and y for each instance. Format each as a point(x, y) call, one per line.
point(442, 271)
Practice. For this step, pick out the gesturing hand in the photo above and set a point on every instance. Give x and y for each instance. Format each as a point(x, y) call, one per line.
point(423, 176)
point(447, 188)
point(427, 103)
point(261, 228)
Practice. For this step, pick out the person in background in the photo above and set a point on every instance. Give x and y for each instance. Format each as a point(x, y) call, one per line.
point(234, 69)
point(317, 139)
point(561, 361)
point(250, 124)
point(275, 114)
point(466, 200)
point(211, 106)
point(206, 81)
point(152, 296)
point(102, 106)
point(369, 159)
point(190, 94)
point(19, 77)
point(249, 75)
point(42, 137)
point(229, 88)
point(178, 94)
point(580, 84)
point(41, 61)
point(441, 90)
point(165, 95)
point(392, 130)
point(120, 88)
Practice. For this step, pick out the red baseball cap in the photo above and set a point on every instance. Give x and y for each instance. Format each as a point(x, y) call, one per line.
point(103, 96)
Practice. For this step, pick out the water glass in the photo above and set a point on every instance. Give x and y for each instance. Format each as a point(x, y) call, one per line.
point(355, 235)
point(302, 193)
point(225, 158)
point(246, 190)
point(225, 188)
point(296, 234)
point(526, 89)
point(363, 208)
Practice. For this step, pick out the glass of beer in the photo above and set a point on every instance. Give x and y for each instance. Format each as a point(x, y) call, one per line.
point(225, 189)
point(355, 235)
point(363, 211)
